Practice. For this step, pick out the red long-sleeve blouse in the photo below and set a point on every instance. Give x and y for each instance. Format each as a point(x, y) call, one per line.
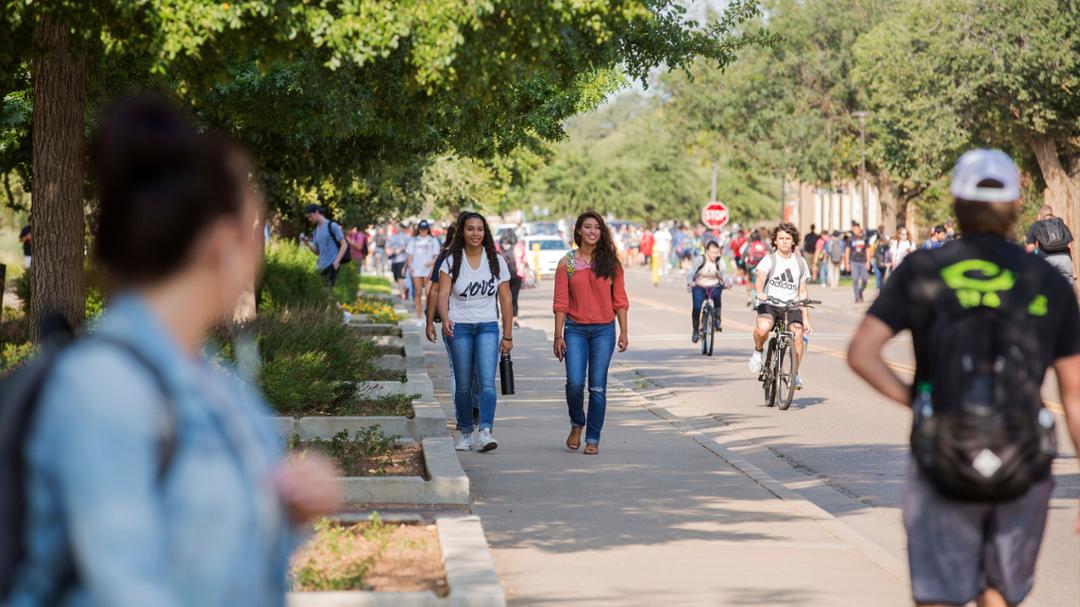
point(587, 298)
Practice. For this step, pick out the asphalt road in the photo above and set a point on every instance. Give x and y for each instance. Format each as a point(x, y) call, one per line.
point(840, 444)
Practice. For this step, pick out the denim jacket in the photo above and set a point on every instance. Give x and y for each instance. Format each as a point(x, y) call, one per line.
point(211, 532)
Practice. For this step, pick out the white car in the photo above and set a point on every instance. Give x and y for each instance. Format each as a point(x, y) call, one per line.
point(544, 253)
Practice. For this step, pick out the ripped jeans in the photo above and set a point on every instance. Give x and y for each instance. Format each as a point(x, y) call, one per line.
point(588, 346)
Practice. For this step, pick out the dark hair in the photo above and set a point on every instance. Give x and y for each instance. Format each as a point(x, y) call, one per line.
point(313, 208)
point(986, 217)
point(450, 231)
point(457, 246)
point(712, 243)
point(605, 259)
point(790, 229)
point(160, 183)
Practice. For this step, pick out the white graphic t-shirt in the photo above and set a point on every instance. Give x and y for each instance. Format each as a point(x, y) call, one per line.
point(424, 250)
point(784, 284)
point(473, 298)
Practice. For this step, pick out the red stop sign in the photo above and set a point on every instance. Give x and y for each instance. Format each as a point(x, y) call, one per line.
point(714, 215)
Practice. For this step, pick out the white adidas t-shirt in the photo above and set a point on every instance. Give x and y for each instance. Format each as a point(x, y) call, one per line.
point(474, 296)
point(784, 284)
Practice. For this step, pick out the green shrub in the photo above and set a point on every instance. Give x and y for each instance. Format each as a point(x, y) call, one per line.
point(376, 284)
point(12, 355)
point(348, 283)
point(311, 361)
point(290, 279)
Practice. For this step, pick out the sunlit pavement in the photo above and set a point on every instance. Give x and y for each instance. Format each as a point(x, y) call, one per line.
point(658, 517)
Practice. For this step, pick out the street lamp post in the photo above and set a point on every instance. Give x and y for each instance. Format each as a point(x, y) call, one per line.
point(861, 115)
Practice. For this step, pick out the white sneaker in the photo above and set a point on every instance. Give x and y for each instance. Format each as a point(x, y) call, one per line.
point(464, 442)
point(798, 382)
point(755, 362)
point(487, 442)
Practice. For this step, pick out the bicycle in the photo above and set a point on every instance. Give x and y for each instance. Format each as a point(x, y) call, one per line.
point(708, 323)
point(779, 371)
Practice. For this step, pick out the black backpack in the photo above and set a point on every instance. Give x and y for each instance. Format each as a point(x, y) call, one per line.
point(980, 431)
point(347, 257)
point(1053, 235)
point(20, 393)
point(881, 253)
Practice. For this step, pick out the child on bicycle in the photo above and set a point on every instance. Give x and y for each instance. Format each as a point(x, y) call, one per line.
point(781, 278)
point(706, 278)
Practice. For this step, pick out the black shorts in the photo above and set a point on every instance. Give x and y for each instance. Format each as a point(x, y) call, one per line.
point(794, 317)
point(398, 268)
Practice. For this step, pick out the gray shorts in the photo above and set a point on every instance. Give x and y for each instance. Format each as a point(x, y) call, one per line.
point(958, 549)
point(1062, 262)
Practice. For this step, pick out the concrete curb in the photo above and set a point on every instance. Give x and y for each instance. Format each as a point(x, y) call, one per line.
point(470, 575)
point(448, 483)
point(872, 551)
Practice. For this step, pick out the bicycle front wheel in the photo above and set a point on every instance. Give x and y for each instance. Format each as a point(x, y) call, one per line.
point(785, 376)
point(768, 374)
point(703, 329)
point(710, 333)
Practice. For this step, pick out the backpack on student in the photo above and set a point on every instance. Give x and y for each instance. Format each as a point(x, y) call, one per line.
point(508, 256)
point(836, 250)
point(1053, 235)
point(20, 393)
point(337, 243)
point(380, 240)
point(755, 252)
point(881, 252)
point(980, 432)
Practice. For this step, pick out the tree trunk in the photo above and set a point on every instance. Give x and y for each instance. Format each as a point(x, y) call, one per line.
point(887, 200)
point(59, 105)
point(1062, 187)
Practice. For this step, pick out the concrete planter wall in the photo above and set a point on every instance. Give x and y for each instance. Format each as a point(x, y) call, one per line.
point(470, 575)
point(428, 422)
point(447, 483)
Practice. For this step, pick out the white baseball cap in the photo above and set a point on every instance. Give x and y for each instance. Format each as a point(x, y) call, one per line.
point(977, 165)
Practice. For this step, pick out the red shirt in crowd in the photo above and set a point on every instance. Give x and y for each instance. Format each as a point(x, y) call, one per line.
point(587, 298)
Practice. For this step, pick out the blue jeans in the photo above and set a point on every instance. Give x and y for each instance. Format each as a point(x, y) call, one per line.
point(879, 276)
point(475, 348)
point(475, 395)
point(588, 346)
point(699, 293)
point(860, 277)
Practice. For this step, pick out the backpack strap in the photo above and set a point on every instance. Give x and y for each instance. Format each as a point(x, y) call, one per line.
point(772, 268)
point(169, 435)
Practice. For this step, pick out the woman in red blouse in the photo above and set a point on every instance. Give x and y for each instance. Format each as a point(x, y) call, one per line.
point(589, 296)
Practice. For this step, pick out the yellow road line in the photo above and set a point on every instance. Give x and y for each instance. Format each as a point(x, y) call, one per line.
point(1053, 406)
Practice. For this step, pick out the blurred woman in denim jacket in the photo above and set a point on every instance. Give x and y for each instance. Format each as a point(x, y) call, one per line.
point(176, 233)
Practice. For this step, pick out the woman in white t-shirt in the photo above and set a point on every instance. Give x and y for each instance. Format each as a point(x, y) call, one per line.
point(899, 248)
point(473, 288)
point(420, 256)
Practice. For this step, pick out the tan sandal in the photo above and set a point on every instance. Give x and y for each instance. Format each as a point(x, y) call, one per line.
point(573, 442)
point(592, 449)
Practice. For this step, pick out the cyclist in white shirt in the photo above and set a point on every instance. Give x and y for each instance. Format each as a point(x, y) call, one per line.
point(782, 276)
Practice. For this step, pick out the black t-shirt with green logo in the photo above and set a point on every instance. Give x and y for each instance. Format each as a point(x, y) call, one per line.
point(974, 271)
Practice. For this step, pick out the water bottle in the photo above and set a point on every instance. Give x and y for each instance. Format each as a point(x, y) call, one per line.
point(923, 407)
point(924, 425)
point(506, 374)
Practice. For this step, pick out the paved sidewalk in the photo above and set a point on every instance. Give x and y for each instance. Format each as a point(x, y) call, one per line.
point(660, 517)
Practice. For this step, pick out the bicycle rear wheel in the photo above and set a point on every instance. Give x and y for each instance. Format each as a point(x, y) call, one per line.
point(710, 332)
point(785, 376)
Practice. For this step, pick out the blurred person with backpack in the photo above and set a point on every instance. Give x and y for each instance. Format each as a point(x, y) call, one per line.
point(328, 242)
point(899, 249)
point(1052, 240)
point(818, 260)
point(135, 471)
point(754, 252)
point(379, 256)
point(396, 247)
point(879, 245)
point(707, 278)
point(835, 252)
point(358, 246)
point(987, 322)
point(513, 253)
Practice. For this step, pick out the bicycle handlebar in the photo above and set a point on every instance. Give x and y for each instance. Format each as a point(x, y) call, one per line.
point(798, 303)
